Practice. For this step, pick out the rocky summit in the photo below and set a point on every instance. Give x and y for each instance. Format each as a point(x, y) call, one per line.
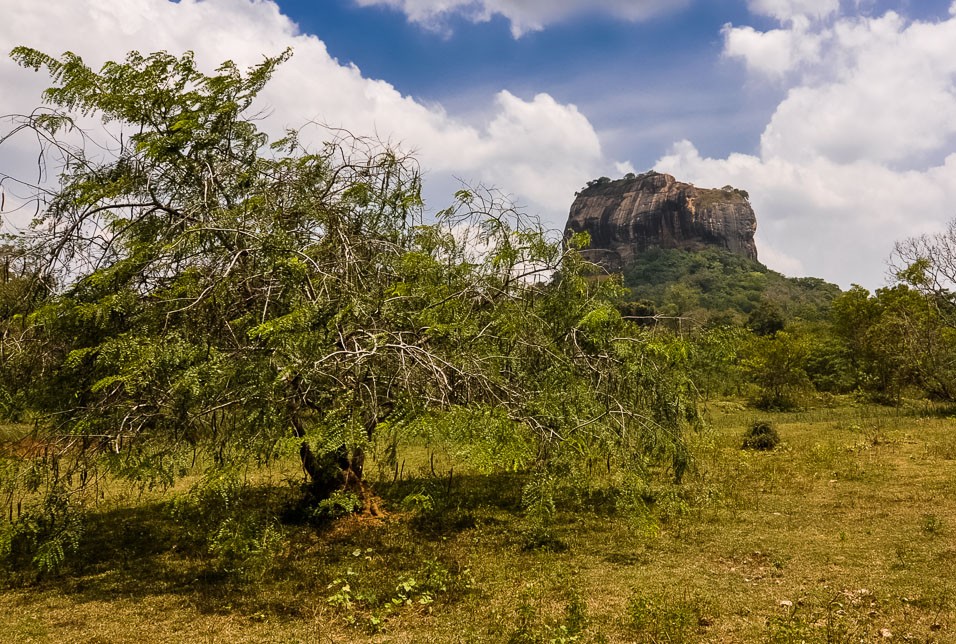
point(630, 215)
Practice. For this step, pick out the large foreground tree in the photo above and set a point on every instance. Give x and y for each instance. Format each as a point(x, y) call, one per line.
point(222, 299)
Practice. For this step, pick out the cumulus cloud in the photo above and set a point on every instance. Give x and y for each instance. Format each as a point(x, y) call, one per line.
point(858, 152)
point(788, 9)
point(524, 15)
point(536, 149)
point(774, 52)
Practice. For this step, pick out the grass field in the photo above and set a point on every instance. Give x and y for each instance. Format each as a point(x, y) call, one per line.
point(845, 533)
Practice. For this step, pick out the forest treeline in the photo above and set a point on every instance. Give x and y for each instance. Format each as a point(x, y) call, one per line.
point(782, 342)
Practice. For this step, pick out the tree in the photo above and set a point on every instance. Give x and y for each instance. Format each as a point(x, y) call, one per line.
point(21, 290)
point(928, 264)
point(766, 318)
point(897, 338)
point(232, 299)
point(776, 364)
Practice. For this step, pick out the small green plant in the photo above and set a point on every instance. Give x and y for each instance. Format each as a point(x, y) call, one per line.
point(530, 628)
point(575, 620)
point(364, 596)
point(245, 546)
point(339, 504)
point(525, 631)
point(538, 499)
point(931, 525)
point(420, 503)
point(790, 624)
point(44, 536)
point(843, 618)
point(762, 435)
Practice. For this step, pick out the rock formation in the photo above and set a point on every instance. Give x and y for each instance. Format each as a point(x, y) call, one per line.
point(630, 215)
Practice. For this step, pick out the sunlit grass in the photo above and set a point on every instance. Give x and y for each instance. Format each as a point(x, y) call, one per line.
point(843, 533)
point(13, 431)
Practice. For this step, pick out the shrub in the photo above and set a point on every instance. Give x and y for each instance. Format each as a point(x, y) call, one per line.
point(762, 435)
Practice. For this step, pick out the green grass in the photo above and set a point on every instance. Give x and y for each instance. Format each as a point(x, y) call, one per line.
point(842, 534)
point(10, 432)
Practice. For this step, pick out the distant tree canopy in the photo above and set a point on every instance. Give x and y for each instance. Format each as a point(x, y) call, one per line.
point(905, 335)
point(211, 294)
point(897, 341)
point(726, 283)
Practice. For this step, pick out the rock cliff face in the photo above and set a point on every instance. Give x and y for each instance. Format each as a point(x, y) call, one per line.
point(628, 216)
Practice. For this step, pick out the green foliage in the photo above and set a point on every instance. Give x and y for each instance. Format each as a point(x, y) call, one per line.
point(714, 359)
point(43, 536)
point(766, 318)
point(531, 629)
point(897, 338)
point(245, 545)
point(714, 281)
point(225, 302)
point(483, 436)
point(367, 596)
point(845, 617)
point(776, 364)
point(420, 502)
point(339, 504)
point(21, 291)
point(538, 500)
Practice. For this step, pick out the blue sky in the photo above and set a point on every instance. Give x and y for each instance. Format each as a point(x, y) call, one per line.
point(837, 116)
point(642, 83)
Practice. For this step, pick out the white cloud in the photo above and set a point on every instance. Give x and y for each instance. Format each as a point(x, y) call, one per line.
point(537, 150)
point(858, 153)
point(524, 15)
point(774, 52)
point(888, 95)
point(840, 220)
point(788, 9)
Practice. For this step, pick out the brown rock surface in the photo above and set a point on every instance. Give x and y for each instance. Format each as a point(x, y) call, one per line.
point(628, 216)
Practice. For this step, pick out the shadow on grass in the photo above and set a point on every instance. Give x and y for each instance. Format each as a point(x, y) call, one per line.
point(145, 550)
point(474, 491)
point(148, 549)
point(442, 506)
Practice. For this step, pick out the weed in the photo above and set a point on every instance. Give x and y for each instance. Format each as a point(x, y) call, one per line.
point(245, 546)
point(419, 502)
point(366, 595)
point(531, 628)
point(847, 617)
point(525, 631)
point(538, 500)
point(43, 536)
point(931, 525)
point(338, 504)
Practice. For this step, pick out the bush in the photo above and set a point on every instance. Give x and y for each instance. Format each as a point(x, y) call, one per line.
point(762, 435)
